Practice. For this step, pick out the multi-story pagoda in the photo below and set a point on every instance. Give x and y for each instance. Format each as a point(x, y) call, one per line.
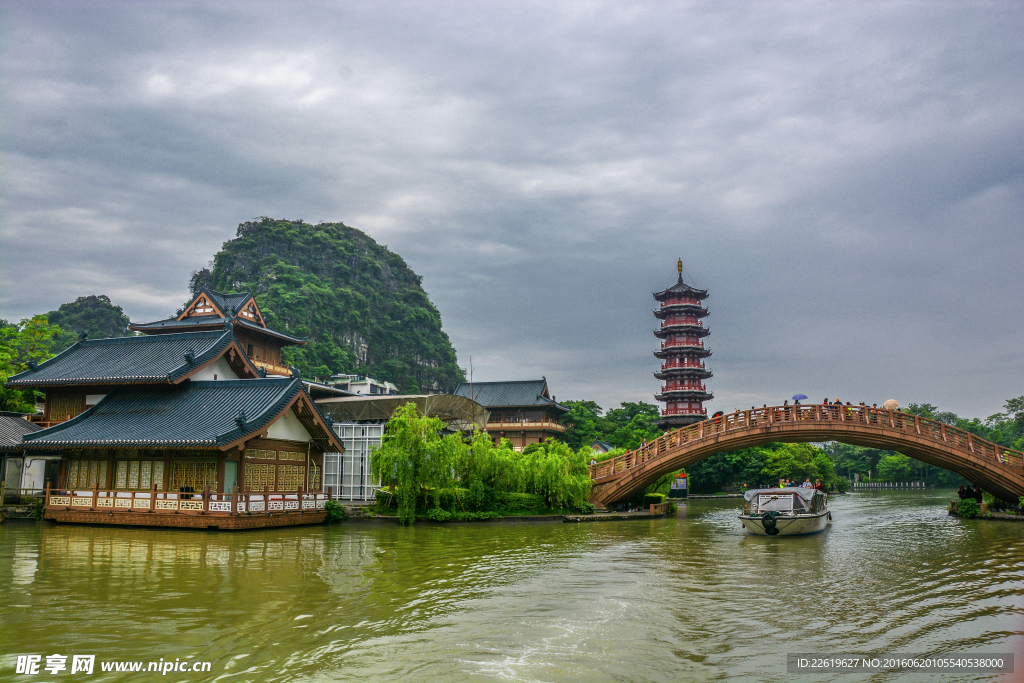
point(682, 354)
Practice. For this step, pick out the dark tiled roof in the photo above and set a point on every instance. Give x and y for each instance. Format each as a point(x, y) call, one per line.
point(228, 301)
point(12, 428)
point(174, 323)
point(508, 394)
point(157, 359)
point(267, 330)
point(194, 414)
point(211, 320)
point(681, 287)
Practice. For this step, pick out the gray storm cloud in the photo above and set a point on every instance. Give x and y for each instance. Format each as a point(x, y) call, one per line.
point(845, 179)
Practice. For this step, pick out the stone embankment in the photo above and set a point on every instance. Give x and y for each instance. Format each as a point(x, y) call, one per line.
point(987, 515)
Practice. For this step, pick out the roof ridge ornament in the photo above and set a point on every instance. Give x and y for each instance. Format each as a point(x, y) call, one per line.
point(240, 420)
point(32, 365)
point(296, 373)
point(190, 357)
point(679, 267)
point(82, 336)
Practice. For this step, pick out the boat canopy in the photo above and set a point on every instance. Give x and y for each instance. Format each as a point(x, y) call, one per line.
point(805, 493)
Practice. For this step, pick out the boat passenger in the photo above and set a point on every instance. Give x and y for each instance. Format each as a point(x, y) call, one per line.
point(977, 494)
point(961, 493)
point(818, 485)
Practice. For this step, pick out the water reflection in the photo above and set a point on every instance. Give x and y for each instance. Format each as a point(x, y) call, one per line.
point(689, 598)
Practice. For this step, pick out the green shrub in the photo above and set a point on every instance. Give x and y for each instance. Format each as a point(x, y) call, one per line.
point(586, 508)
point(474, 516)
point(842, 484)
point(672, 509)
point(336, 512)
point(654, 499)
point(37, 509)
point(439, 515)
point(968, 507)
point(509, 503)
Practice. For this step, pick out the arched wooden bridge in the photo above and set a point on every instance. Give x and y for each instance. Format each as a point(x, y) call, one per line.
point(998, 470)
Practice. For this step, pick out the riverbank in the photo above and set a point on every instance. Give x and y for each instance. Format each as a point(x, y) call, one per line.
point(1001, 516)
point(574, 519)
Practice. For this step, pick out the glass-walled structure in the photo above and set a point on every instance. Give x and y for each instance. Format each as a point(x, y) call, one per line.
point(347, 475)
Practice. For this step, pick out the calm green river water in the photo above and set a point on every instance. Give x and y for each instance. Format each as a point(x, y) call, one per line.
point(682, 599)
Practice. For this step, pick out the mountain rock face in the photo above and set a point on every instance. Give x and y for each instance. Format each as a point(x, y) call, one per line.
point(362, 307)
point(94, 315)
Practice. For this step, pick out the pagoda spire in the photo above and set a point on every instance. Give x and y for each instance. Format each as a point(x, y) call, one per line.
point(682, 332)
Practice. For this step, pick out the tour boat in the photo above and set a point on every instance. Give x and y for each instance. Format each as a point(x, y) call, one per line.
point(785, 512)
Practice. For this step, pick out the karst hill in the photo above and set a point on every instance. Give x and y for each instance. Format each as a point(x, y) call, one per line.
point(364, 309)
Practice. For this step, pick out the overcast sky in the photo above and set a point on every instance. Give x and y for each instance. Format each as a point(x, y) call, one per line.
point(845, 178)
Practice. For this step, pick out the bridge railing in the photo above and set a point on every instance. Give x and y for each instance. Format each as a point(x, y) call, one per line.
point(767, 417)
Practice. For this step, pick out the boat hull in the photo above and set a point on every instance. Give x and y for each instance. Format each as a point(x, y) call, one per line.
point(788, 525)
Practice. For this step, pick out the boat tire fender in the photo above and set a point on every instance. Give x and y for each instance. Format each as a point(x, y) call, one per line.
point(768, 522)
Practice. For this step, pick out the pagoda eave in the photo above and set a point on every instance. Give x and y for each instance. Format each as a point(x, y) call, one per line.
point(689, 309)
point(668, 422)
point(684, 395)
point(691, 330)
point(689, 351)
point(691, 373)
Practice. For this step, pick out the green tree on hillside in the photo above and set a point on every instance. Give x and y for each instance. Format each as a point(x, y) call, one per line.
point(95, 315)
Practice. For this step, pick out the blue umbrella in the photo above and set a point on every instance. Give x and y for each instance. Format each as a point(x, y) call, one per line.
point(799, 397)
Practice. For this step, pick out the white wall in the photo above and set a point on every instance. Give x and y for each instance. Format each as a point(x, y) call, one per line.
point(288, 428)
point(220, 367)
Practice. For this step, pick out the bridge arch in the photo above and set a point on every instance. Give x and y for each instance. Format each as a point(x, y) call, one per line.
point(996, 469)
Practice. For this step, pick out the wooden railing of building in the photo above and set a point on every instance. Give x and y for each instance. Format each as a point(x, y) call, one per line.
point(914, 435)
point(272, 368)
point(172, 502)
point(523, 425)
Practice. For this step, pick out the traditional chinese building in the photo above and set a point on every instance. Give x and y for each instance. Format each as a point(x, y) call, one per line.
point(209, 310)
point(523, 412)
point(178, 429)
point(682, 353)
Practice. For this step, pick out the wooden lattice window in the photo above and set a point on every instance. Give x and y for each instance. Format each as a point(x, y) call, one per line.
point(193, 474)
point(139, 475)
point(65, 406)
point(260, 477)
point(84, 474)
point(291, 455)
point(291, 477)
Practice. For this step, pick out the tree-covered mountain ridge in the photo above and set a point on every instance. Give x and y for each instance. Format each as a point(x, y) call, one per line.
point(364, 310)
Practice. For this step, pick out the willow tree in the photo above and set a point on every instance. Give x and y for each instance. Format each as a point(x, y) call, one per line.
point(415, 459)
point(558, 473)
